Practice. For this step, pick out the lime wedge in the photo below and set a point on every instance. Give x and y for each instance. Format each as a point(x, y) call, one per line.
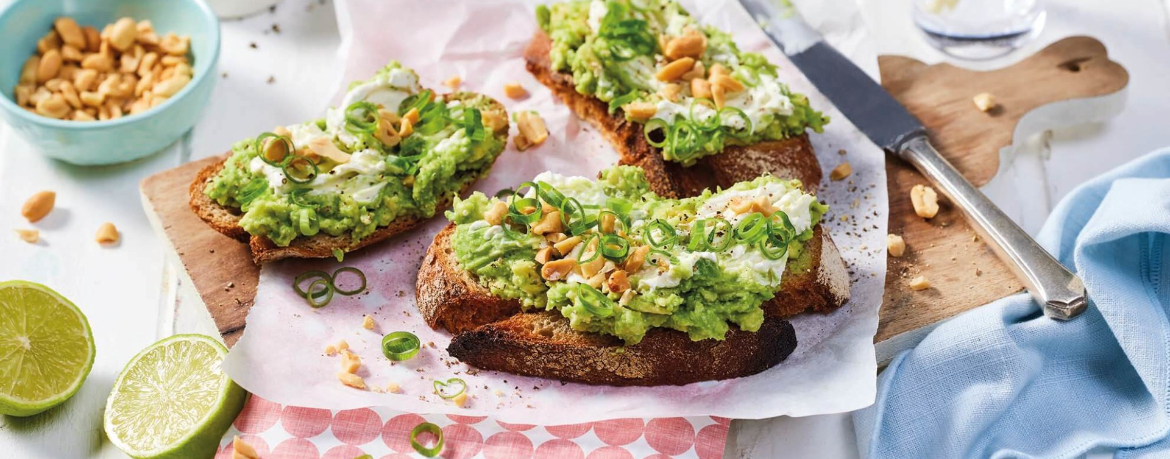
point(173, 401)
point(46, 348)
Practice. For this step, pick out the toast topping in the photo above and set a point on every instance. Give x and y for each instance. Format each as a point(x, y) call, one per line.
point(392, 149)
point(631, 261)
point(624, 52)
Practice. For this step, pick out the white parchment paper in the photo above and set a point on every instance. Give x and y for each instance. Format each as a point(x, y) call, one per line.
point(280, 356)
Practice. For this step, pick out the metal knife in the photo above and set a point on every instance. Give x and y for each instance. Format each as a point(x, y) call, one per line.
point(889, 125)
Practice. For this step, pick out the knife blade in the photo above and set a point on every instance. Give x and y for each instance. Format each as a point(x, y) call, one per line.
point(893, 128)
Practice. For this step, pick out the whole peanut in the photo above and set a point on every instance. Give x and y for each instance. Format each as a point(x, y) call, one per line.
point(38, 206)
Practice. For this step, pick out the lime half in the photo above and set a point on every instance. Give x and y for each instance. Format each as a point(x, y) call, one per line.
point(46, 348)
point(173, 401)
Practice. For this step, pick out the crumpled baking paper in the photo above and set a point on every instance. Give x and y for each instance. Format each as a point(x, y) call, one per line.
point(281, 358)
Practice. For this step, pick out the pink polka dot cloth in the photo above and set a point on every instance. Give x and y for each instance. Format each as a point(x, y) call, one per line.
point(290, 432)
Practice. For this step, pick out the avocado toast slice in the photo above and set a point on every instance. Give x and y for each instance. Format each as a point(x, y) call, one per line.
point(672, 309)
point(390, 157)
point(726, 119)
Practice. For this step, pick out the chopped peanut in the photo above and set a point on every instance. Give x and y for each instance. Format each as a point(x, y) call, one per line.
point(688, 45)
point(324, 147)
point(107, 234)
point(729, 84)
point(566, 245)
point(618, 281)
point(719, 95)
point(627, 297)
point(925, 201)
point(606, 223)
point(28, 235)
point(514, 91)
point(841, 171)
point(698, 71)
point(555, 237)
point(494, 119)
point(453, 82)
point(919, 283)
point(596, 281)
point(701, 88)
point(558, 269)
point(393, 387)
point(495, 214)
point(330, 350)
point(350, 362)
point(675, 70)
point(895, 245)
point(38, 206)
point(592, 267)
point(242, 450)
point(670, 91)
point(352, 380)
point(550, 222)
point(719, 69)
point(531, 127)
point(460, 400)
point(640, 111)
point(544, 255)
point(368, 323)
point(342, 345)
point(985, 102)
point(406, 126)
point(637, 258)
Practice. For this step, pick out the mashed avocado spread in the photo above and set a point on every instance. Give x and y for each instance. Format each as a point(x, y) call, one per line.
point(691, 87)
point(615, 258)
point(392, 149)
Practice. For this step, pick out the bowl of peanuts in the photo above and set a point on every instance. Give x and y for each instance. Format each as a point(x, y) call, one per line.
point(106, 81)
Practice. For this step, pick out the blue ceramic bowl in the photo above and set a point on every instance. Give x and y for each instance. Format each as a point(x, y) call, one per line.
point(123, 139)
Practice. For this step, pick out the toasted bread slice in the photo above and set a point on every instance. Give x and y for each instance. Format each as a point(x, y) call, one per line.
point(226, 220)
point(789, 158)
point(542, 344)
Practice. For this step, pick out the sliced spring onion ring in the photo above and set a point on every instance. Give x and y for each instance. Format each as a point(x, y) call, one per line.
point(516, 205)
point(656, 125)
point(504, 193)
point(419, 101)
point(400, 345)
point(259, 145)
point(724, 233)
point(668, 236)
point(594, 301)
point(698, 240)
point(585, 248)
point(361, 116)
point(711, 123)
point(741, 134)
point(306, 276)
point(292, 164)
point(441, 388)
point(314, 295)
point(349, 269)
point(432, 429)
point(752, 228)
point(669, 256)
point(614, 247)
point(550, 194)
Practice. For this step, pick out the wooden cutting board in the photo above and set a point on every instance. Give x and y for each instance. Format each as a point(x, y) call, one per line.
point(962, 270)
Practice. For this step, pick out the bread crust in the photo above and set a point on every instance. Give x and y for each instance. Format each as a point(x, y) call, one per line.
point(226, 220)
point(790, 158)
point(493, 333)
point(542, 344)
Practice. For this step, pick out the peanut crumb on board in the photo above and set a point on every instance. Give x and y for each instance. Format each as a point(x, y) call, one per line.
point(984, 101)
point(30, 236)
point(38, 206)
point(841, 171)
point(532, 129)
point(393, 387)
point(460, 400)
point(925, 201)
point(352, 380)
point(242, 450)
point(896, 245)
point(514, 90)
point(330, 350)
point(368, 323)
point(350, 362)
point(454, 82)
point(919, 283)
point(342, 345)
point(107, 234)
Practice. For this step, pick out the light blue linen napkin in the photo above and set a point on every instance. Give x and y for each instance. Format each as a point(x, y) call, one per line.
point(1003, 381)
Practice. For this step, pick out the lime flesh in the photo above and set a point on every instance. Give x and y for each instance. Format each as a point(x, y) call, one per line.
point(173, 401)
point(46, 348)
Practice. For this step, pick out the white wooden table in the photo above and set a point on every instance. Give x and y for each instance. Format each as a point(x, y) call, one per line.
point(132, 298)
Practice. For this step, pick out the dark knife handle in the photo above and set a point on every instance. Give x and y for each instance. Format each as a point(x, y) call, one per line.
point(1058, 290)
